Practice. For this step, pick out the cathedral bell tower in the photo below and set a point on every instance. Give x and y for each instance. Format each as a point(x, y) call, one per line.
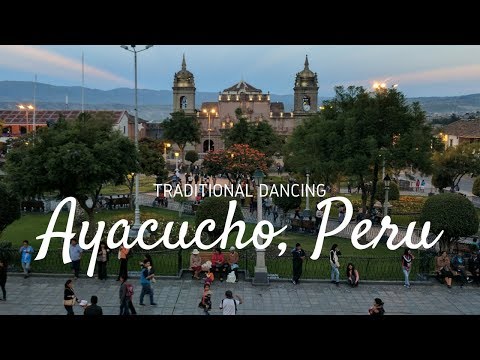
point(184, 90)
point(305, 92)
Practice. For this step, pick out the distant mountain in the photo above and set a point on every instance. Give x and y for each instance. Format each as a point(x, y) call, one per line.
point(156, 105)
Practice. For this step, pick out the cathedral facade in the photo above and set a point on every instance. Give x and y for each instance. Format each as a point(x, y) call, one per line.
point(217, 117)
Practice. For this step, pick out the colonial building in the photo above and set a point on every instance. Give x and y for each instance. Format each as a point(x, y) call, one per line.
point(17, 122)
point(216, 117)
point(461, 131)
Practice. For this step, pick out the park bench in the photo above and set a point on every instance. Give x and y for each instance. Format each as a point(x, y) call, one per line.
point(206, 256)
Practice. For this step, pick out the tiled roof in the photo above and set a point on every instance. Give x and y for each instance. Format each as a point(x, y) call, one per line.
point(242, 86)
point(19, 117)
point(464, 128)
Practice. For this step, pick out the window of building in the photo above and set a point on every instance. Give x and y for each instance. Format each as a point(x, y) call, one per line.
point(223, 124)
point(124, 129)
point(451, 142)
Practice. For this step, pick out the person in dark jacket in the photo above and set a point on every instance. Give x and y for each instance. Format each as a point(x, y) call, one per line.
point(298, 256)
point(93, 309)
point(126, 302)
point(377, 308)
point(69, 297)
point(3, 278)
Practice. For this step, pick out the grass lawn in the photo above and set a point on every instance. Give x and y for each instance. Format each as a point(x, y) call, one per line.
point(146, 185)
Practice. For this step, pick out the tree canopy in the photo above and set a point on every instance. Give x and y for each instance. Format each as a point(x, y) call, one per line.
point(455, 163)
point(238, 161)
point(9, 207)
point(181, 129)
point(72, 157)
point(355, 132)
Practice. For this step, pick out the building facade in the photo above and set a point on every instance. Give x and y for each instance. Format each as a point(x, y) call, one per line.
point(17, 122)
point(216, 117)
point(461, 131)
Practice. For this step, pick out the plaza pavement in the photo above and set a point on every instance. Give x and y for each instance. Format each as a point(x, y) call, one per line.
point(40, 295)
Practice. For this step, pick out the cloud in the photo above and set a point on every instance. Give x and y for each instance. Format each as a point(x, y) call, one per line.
point(36, 60)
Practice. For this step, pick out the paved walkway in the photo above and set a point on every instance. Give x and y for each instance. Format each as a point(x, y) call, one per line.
point(44, 296)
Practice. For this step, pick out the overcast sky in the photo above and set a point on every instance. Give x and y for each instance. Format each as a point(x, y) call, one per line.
point(419, 70)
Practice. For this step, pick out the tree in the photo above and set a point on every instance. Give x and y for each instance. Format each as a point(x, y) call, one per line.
point(151, 159)
point(238, 161)
point(355, 132)
point(393, 193)
point(452, 213)
point(476, 187)
point(454, 163)
point(216, 208)
point(181, 129)
point(73, 157)
point(191, 156)
point(9, 207)
point(259, 135)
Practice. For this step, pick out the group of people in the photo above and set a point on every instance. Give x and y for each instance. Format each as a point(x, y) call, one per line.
point(445, 267)
point(352, 274)
point(221, 267)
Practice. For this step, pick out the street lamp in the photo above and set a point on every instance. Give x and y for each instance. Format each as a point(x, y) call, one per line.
point(261, 274)
point(165, 146)
point(306, 212)
point(206, 111)
point(26, 108)
point(176, 161)
point(386, 182)
point(136, 225)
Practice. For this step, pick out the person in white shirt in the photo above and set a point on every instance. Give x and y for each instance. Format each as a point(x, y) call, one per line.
point(229, 304)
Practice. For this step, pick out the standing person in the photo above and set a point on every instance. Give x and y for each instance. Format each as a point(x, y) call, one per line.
point(318, 218)
point(417, 185)
point(102, 259)
point(122, 256)
point(3, 278)
point(422, 185)
point(229, 304)
point(335, 265)
point(69, 298)
point(442, 263)
point(126, 301)
point(407, 259)
point(195, 263)
point(75, 256)
point(352, 275)
point(233, 261)
point(93, 309)
point(275, 213)
point(26, 252)
point(146, 276)
point(298, 255)
point(377, 308)
point(206, 303)
point(341, 214)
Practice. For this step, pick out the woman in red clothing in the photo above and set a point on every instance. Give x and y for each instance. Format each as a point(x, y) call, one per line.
point(218, 263)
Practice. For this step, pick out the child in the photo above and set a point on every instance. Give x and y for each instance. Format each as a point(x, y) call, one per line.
point(206, 303)
point(209, 278)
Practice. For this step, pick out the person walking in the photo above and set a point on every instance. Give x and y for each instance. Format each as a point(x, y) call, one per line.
point(3, 278)
point(93, 309)
point(26, 252)
point(75, 255)
point(335, 265)
point(229, 304)
point(298, 256)
point(145, 279)
point(125, 295)
point(69, 298)
point(407, 259)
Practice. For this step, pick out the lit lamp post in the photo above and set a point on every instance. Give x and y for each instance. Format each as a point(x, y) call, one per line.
point(136, 225)
point(261, 274)
point(386, 182)
point(306, 212)
point(26, 108)
point(165, 146)
point(176, 161)
point(208, 112)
